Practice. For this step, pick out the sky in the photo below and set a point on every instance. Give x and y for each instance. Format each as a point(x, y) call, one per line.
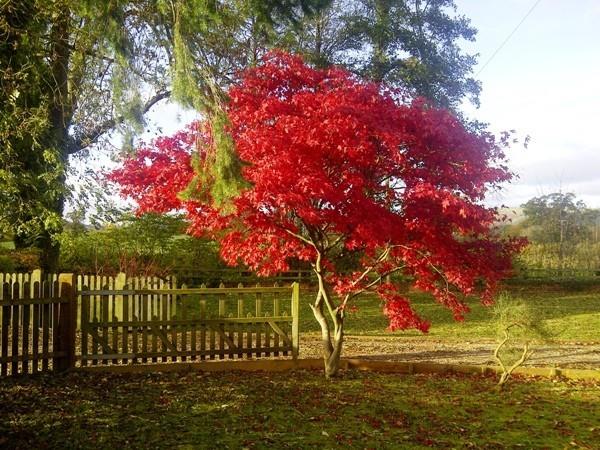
point(545, 83)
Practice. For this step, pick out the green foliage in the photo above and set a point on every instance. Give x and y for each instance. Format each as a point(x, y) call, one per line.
point(578, 260)
point(31, 167)
point(514, 311)
point(149, 244)
point(74, 71)
point(558, 217)
point(406, 43)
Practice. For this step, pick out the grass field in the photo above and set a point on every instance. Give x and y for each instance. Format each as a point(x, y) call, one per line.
point(295, 410)
point(570, 315)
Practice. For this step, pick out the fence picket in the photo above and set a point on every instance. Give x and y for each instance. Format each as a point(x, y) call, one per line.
point(184, 328)
point(202, 326)
point(125, 328)
point(222, 312)
point(35, 344)
point(85, 319)
point(276, 313)
point(155, 317)
point(6, 310)
point(212, 344)
point(104, 316)
point(267, 329)
point(46, 292)
point(193, 342)
point(258, 325)
point(174, 328)
point(55, 293)
point(15, 329)
point(25, 331)
point(144, 317)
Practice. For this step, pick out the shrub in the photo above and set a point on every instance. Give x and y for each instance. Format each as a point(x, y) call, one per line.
point(518, 325)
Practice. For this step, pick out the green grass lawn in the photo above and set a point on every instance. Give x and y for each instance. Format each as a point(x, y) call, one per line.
point(570, 315)
point(295, 410)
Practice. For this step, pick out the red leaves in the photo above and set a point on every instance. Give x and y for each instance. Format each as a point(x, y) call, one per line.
point(398, 310)
point(156, 174)
point(330, 157)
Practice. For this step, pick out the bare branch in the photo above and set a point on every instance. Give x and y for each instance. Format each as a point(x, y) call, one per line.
point(302, 238)
point(91, 137)
point(369, 269)
point(371, 284)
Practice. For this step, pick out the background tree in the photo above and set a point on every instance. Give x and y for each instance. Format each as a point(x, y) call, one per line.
point(557, 217)
point(413, 44)
point(335, 165)
point(562, 232)
point(76, 70)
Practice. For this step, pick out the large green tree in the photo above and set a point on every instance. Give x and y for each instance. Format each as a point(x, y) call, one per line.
point(74, 71)
point(406, 43)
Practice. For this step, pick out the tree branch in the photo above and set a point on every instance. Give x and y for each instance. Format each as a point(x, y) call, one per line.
point(371, 284)
point(302, 238)
point(91, 137)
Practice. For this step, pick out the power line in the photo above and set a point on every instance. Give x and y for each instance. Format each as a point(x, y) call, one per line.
point(508, 37)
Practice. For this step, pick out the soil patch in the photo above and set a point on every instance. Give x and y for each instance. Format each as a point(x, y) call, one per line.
point(395, 348)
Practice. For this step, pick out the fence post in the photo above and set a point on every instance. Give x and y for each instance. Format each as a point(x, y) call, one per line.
point(67, 322)
point(295, 313)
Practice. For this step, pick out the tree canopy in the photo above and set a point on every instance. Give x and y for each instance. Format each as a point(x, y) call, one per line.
point(413, 44)
point(76, 70)
point(558, 217)
point(333, 166)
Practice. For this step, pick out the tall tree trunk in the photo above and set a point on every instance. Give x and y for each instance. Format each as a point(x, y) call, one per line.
point(61, 113)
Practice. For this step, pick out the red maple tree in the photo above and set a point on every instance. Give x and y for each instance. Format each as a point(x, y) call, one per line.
point(337, 166)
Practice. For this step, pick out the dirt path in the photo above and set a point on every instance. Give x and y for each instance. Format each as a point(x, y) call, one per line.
point(575, 355)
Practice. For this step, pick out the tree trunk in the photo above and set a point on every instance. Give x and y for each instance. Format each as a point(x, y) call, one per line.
point(332, 346)
point(332, 340)
point(332, 363)
point(50, 250)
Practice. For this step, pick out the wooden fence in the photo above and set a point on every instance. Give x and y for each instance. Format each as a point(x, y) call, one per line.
point(209, 323)
point(63, 321)
point(37, 331)
point(114, 303)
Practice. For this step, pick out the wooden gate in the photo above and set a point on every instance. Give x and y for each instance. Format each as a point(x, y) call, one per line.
point(168, 325)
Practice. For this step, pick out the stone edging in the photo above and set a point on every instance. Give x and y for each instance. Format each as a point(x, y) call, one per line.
point(271, 365)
